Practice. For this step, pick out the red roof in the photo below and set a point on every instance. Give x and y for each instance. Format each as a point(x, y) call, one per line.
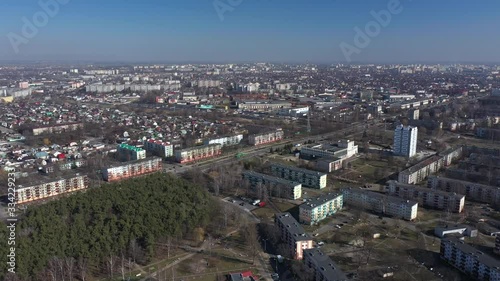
point(246, 274)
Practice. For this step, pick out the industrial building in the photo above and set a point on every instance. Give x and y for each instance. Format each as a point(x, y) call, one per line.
point(316, 209)
point(226, 141)
point(380, 203)
point(469, 260)
point(405, 140)
point(265, 138)
point(159, 148)
point(132, 169)
point(130, 153)
point(436, 199)
point(465, 230)
point(343, 149)
point(473, 191)
point(278, 187)
point(306, 177)
point(324, 268)
point(197, 153)
point(263, 106)
point(293, 234)
point(46, 189)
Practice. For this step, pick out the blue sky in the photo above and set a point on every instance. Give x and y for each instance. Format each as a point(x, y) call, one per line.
point(254, 30)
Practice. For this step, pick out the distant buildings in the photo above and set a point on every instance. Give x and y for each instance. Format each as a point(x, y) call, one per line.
point(107, 88)
point(54, 187)
point(319, 208)
point(473, 191)
point(294, 235)
point(436, 199)
point(306, 177)
point(265, 138)
point(159, 148)
point(294, 112)
point(264, 105)
point(226, 141)
point(324, 268)
point(469, 260)
point(132, 169)
point(278, 187)
point(59, 128)
point(130, 153)
point(405, 140)
point(376, 202)
point(208, 83)
point(197, 153)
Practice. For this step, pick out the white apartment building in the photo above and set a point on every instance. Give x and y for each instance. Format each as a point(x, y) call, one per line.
point(469, 260)
point(51, 188)
point(226, 141)
point(278, 187)
point(159, 148)
point(473, 191)
point(380, 203)
point(132, 169)
point(197, 153)
point(306, 177)
point(436, 199)
point(405, 140)
point(319, 208)
point(265, 138)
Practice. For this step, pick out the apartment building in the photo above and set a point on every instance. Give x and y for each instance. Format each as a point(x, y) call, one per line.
point(132, 169)
point(306, 177)
point(226, 141)
point(473, 191)
point(324, 267)
point(343, 149)
point(319, 208)
point(278, 187)
point(497, 245)
point(293, 234)
point(159, 148)
point(436, 199)
point(376, 202)
point(469, 260)
point(264, 138)
point(197, 153)
point(420, 171)
point(59, 128)
point(405, 140)
point(46, 189)
point(130, 153)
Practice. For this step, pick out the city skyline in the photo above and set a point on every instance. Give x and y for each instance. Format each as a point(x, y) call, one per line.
point(221, 31)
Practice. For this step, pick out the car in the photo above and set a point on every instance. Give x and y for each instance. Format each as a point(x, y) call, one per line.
point(338, 226)
point(321, 243)
point(316, 234)
point(242, 204)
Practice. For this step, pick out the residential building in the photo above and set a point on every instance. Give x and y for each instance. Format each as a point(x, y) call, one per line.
point(306, 177)
point(130, 153)
point(294, 112)
point(46, 189)
point(278, 187)
point(405, 140)
point(264, 138)
point(197, 153)
point(380, 203)
point(465, 230)
point(324, 267)
point(473, 191)
point(497, 245)
point(436, 199)
point(59, 128)
point(294, 235)
point(319, 208)
point(342, 150)
point(132, 169)
point(159, 148)
point(414, 114)
point(226, 141)
point(469, 260)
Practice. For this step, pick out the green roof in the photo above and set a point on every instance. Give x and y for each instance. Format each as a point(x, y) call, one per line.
point(129, 147)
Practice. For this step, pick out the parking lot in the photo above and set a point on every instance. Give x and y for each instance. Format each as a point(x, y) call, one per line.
point(241, 204)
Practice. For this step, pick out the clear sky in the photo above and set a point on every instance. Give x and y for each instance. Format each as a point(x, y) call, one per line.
point(254, 30)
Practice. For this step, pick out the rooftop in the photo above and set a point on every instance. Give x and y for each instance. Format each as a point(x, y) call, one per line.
point(325, 265)
point(293, 227)
point(422, 164)
point(425, 189)
point(381, 197)
point(320, 200)
point(296, 169)
point(129, 147)
point(270, 178)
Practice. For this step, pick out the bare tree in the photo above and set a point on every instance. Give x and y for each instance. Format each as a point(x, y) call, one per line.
point(82, 268)
point(70, 265)
point(110, 262)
